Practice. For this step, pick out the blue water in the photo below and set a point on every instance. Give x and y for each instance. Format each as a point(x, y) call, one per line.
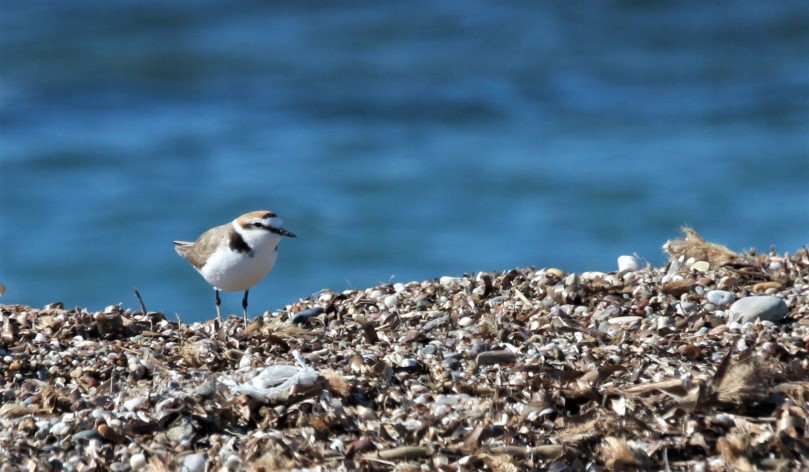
point(401, 141)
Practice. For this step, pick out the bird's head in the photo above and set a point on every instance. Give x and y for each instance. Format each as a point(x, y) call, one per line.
point(259, 227)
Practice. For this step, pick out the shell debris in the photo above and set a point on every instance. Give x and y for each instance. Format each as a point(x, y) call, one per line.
point(526, 369)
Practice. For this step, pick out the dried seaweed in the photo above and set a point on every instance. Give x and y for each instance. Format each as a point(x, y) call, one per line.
point(527, 369)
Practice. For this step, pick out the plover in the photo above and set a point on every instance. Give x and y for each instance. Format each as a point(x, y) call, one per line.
point(237, 255)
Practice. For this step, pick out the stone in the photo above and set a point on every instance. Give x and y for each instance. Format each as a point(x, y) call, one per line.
point(194, 463)
point(685, 308)
point(304, 315)
point(447, 281)
point(133, 403)
point(764, 307)
point(625, 319)
point(137, 461)
point(719, 297)
point(628, 263)
point(700, 266)
point(391, 301)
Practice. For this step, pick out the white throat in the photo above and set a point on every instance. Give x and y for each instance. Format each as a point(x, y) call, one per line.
point(257, 239)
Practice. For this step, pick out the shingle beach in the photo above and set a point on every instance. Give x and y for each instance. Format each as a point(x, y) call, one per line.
point(697, 365)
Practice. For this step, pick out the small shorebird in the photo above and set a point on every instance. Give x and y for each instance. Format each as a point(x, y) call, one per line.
point(235, 256)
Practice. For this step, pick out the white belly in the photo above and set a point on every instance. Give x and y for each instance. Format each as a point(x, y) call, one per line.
point(233, 272)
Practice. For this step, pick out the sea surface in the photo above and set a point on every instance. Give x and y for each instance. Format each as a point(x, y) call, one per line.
point(400, 140)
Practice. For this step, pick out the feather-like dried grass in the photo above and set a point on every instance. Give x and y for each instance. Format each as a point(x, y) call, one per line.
point(335, 382)
point(618, 454)
point(744, 382)
point(734, 448)
point(156, 464)
point(500, 463)
point(580, 431)
point(286, 330)
point(270, 462)
point(692, 245)
point(12, 410)
point(488, 324)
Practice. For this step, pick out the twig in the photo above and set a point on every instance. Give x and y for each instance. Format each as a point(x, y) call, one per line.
point(179, 327)
point(140, 300)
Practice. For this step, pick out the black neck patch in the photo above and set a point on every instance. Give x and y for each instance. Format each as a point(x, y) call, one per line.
point(237, 244)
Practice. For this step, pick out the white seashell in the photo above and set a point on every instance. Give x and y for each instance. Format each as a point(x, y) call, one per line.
point(133, 403)
point(137, 461)
point(60, 429)
point(628, 263)
point(700, 266)
point(391, 301)
point(194, 463)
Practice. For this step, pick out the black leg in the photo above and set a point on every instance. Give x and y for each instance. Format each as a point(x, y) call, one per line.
point(244, 305)
point(218, 302)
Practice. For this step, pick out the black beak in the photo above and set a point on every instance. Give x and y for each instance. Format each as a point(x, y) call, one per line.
point(282, 232)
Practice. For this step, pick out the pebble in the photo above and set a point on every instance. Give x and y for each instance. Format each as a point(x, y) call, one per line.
point(182, 429)
point(432, 324)
point(764, 307)
point(423, 302)
point(478, 346)
point(734, 326)
point(719, 297)
point(628, 263)
point(452, 399)
point(86, 434)
point(666, 324)
point(232, 463)
point(42, 374)
point(304, 315)
point(194, 463)
point(700, 266)
point(391, 301)
point(685, 308)
point(537, 334)
point(137, 461)
point(60, 429)
point(447, 281)
point(206, 389)
point(133, 403)
point(495, 357)
point(625, 319)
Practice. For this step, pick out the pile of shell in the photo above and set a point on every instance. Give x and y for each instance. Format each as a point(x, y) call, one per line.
point(700, 365)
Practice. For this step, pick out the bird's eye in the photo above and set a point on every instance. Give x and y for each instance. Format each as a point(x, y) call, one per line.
point(258, 225)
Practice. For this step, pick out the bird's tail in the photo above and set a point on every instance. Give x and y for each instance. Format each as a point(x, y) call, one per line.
point(182, 246)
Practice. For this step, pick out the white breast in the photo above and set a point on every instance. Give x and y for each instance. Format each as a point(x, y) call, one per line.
point(232, 271)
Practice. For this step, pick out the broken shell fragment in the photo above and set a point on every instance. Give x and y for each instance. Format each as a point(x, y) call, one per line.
point(525, 369)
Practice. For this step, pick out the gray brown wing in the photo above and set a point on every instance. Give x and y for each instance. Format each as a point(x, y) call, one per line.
point(204, 246)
